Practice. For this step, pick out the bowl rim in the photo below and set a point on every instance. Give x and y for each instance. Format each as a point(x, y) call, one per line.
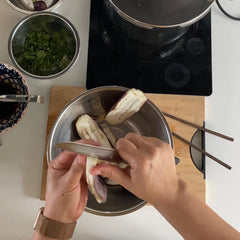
point(62, 18)
point(87, 92)
point(117, 213)
point(10, 67)
point(56, 5)
point(66, 107)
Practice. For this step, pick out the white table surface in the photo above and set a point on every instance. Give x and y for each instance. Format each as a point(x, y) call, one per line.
point(21, 153)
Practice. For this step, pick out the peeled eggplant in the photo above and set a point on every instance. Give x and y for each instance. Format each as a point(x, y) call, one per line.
point(87, 128)
point(95, 183)
point(108, 133)
point(128, 104)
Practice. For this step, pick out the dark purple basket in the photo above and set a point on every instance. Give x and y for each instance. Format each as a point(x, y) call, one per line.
point(11, 82)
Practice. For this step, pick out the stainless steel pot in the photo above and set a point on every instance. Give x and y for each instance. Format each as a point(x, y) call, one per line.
point(149, 121)
point(156, 21)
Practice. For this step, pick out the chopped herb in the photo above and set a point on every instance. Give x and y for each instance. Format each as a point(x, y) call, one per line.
point(47, 50)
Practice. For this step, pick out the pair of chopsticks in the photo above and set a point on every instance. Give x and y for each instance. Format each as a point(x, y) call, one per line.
point(195, 146)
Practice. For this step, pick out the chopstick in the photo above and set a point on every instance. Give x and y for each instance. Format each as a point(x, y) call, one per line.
point(202, 151)
point(199, 127)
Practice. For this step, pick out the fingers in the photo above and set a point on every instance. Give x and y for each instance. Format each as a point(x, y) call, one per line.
point(127, 150)
point(133, 146)
point(77, 169)
point(142, 142)
point(83, 196)
point(63, 161)
point(136, 139)
point(156, 142)
point(114, 173)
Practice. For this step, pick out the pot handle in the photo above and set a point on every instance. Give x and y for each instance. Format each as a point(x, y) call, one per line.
point(133, 21)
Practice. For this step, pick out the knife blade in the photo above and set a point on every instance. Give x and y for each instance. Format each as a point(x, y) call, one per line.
point(107, 154)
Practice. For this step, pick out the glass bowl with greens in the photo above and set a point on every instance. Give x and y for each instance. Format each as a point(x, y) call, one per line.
point(44, 45)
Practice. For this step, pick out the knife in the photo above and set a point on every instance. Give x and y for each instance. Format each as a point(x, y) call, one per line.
point(107, 154)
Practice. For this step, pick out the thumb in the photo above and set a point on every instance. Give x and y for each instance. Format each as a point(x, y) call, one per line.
point(77, 169)
point(112, 172)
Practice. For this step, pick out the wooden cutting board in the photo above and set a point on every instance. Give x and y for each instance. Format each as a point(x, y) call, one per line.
point(191, 108)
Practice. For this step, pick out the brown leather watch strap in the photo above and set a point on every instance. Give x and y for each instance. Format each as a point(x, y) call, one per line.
point(53, 229)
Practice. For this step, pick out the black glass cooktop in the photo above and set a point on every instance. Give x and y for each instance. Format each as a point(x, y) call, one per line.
point(180, 67)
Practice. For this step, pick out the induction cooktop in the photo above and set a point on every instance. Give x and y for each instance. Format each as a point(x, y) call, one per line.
point(182, 67)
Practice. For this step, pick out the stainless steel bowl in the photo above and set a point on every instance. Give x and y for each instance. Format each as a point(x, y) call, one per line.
point(149, 121)
point(26, 6)
point(37, 23)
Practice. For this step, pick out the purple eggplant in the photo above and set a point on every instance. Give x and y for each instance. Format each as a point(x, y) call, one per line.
point(39, 5)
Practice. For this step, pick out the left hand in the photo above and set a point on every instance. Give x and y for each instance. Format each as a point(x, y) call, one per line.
point(67, 191)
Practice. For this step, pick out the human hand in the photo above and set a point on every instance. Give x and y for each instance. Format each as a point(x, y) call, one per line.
point(67, 191)
point(151, 174)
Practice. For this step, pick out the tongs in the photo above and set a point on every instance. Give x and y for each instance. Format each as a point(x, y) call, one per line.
point(22, 98)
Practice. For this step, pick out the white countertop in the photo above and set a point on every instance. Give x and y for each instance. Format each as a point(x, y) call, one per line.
point(21, 153)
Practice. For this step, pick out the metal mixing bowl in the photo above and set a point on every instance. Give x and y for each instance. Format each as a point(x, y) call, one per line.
point(149, 121)
point(26, 6)
point(44, 45)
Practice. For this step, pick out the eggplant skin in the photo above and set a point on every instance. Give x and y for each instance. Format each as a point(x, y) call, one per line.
point(39, 5)
point(127, 105)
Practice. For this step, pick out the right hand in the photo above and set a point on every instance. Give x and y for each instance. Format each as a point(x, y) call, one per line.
point(151, 174)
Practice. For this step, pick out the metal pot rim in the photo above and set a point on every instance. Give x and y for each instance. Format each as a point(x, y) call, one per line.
point(150, 26)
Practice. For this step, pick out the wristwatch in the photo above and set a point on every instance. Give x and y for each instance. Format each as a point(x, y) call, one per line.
point(53, 229)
